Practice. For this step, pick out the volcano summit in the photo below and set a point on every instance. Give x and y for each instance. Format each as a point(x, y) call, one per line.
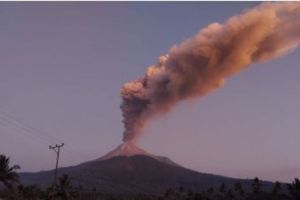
point(128, 149)
point(125, 149)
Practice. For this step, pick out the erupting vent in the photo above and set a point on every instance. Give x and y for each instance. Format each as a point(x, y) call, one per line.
point(130, 149)
point(125, 149)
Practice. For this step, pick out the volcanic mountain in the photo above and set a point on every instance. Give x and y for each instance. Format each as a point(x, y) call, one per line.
point(129, 169)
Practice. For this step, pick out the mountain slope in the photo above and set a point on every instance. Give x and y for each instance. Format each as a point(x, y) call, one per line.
point(125, 172)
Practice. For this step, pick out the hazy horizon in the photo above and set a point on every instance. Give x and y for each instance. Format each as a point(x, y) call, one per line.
point(63, 65)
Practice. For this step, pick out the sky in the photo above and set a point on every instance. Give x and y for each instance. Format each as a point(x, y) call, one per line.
point(62, 65)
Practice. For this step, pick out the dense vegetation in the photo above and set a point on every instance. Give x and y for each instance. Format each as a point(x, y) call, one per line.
point(12, 189)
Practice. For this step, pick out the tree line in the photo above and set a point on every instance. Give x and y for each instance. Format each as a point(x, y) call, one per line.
point(12, 189)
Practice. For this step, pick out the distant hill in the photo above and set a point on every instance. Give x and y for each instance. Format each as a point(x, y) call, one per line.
point(123, 172)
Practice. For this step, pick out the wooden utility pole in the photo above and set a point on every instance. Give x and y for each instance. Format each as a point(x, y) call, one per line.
point(56, 148)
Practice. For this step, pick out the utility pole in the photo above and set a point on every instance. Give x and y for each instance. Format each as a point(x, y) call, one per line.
point(56, 148)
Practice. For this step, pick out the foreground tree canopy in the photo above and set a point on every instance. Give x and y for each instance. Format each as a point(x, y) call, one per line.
point(12, 189)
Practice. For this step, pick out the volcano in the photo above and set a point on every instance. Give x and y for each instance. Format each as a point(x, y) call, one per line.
point(129, 169)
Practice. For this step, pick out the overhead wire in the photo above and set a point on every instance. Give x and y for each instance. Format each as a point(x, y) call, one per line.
point(35, 133)
point(26, 134)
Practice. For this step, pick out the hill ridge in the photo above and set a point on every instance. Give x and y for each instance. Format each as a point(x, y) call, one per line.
point(132, 175)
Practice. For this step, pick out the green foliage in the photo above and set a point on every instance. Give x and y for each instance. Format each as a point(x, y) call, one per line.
point(64, 190)
point(32, 192)
point(8, 175)
point(294, 189)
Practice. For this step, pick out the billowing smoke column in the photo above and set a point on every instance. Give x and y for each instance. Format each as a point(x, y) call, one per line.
point(202, 63)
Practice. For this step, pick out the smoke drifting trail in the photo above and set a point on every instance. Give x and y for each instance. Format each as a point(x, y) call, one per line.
point(202, 63)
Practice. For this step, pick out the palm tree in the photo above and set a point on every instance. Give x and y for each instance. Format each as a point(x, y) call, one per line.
point(32, 192)
point(64, 189)
point(276, 189)
point(239, 189)
point(8, 175)
point(256, 186)
point(294, 189)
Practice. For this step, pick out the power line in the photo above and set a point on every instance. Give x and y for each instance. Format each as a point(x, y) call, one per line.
point(27, 126)
point(30, 131)
point(37, 132)
point(33, 138)
point(27, 131)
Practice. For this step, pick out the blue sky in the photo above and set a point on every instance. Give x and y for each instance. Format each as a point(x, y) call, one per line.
point(62, 66)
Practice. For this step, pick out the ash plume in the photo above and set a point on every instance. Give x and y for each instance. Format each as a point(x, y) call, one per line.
point(201, 64)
